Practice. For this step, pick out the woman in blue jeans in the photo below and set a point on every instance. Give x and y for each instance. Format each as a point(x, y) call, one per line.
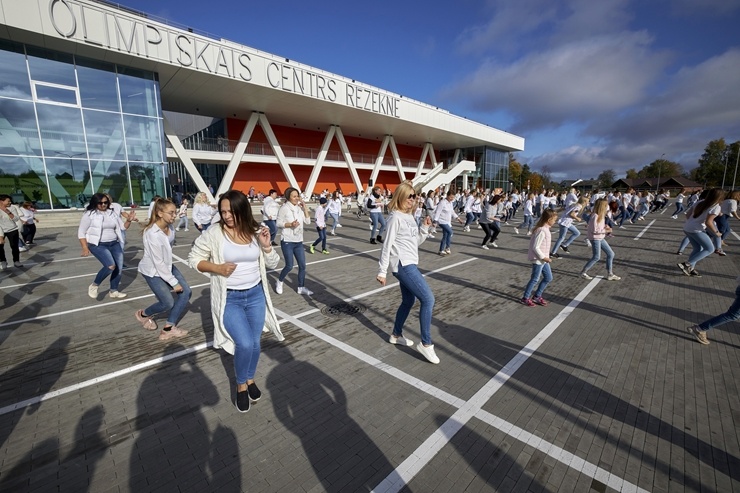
point(101, 234)
point(597, 231)
point(292, 216)
point(401, 252)
point(237, 252)
point(732, 314)
point(701, 230)
point(160, 275)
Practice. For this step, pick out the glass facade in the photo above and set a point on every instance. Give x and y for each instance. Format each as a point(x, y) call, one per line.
point(491, 168)
point(71, 127)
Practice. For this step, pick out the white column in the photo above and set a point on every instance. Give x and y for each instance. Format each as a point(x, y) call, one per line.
point(348, 159)
point(314, 177)
point(397, 160)
point(379, 159)
point(186, 161)
point(236, 158)
point(278, 151)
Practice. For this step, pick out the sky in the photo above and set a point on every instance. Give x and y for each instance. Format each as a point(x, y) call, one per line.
point(590, 84)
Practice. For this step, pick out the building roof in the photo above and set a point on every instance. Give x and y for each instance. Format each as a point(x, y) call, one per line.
point(201, 75)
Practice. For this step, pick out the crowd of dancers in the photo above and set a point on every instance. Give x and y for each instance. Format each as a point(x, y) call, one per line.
point(235, 249)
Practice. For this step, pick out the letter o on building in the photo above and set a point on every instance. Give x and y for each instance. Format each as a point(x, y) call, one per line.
point(71, 19)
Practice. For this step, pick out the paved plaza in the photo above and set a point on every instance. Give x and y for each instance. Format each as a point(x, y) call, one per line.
point(603, 390)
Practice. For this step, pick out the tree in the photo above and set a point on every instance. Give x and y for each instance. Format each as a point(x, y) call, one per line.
point(632, 174)
point(515, 171)
point(711, 164)
point(662, 168)
point(607, 178)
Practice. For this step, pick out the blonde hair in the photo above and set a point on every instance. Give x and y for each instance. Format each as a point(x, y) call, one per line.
point(201, 198)
point(402, 193)
point(159, 206)
point(600, 208)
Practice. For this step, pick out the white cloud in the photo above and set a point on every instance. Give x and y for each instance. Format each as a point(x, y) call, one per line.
point(575, 81)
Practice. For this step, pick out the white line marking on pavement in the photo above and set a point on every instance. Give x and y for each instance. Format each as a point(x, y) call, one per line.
point(409, 468)
point(645, 229)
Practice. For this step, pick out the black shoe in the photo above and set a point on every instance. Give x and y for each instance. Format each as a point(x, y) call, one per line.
point(242, 401)
point(685, 268)
point(564, 248)
point(379, 238)
point(273, 243)
point(555, 255)
point(373, 242)
point(694, 273)
point(254, 392)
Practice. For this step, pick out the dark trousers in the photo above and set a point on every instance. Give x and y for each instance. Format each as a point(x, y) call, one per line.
point(11, 237)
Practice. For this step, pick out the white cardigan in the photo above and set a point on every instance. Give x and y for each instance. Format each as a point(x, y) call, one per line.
point(209, 247)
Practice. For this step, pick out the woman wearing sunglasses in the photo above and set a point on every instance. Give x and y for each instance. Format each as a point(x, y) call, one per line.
point(101, 234)
point(401, 252)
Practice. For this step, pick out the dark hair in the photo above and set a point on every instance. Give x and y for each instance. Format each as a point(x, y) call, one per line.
point(95, 200)
point(290, 190)
point(4, 196)
point(714, 197)
point(272, 190)
point(245, 224)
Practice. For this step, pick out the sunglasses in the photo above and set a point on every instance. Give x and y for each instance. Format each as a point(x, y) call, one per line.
point(412, 196)
point(103, 203)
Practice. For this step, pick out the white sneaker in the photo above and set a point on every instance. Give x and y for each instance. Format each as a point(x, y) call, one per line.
point(92, 291)
point(17, 265)
point(332, 233)
point(612, 277)
point(674, 217)
point(3, 265)
point(529, 233)
point(117, 294)
point(305, 291)
point(428, 352)
point(401, 340)
point(442, 253)
point(516, 231)
point(479, 227)
point(493, 243)
point(186, 229)
point(339, 225)
point(430, 235)
point(177, 229)
point(23, 249)
point(448, 251)
point(485, 247)
point(586, 276)
point(279, 287)
point(588, 243)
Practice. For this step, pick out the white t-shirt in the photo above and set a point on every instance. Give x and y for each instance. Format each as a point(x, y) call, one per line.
point(246, 257)
point(696, 224)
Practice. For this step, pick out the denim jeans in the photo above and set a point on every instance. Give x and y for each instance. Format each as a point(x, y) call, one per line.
point(272, 226)
point(108, 253)
point(165, 301)
point(543, 270)
point(413, 287)
point(377, 217)
point(528, 222)
point(703, 246)
point(723, 226)
point(28, 232)
point(596, 247)
point(469, 218)
point(732, 313)
point(574, 233)
point(679, 209)
point(627, 214)
point(322, 238)
point(446, 236)
point(182, 223)
point(495, 230)
point(204, 227)
point(334, 216)
point(244, 318)
point(291, 249)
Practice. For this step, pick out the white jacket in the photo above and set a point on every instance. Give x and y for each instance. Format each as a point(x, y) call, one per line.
point(210, 247)
point(287, 214)
point(91, 225)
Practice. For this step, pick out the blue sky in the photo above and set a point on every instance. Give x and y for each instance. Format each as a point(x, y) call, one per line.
point(590, 84)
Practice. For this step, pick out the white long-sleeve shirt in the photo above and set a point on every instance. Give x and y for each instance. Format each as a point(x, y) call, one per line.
point(203, 214)
point(157, 259)
point(444, 212)
point(402, 240)
point(8, 224)
point(287, 214)
point(335, 206)
point(320, 216)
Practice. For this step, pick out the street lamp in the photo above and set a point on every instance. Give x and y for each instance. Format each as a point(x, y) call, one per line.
point(660, 168)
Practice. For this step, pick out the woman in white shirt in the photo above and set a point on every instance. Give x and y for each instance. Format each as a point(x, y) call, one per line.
point(182, 214)
point(334, 210)
point(9, 217)
point(443, 215)
point(679, 203)
point(203, 212)
point(565, 223)
point(699, 228)
point(160, 274)
point(292, 216)
point(101, 234)
point(401, 252)
point(237, 253)
point(28, 217)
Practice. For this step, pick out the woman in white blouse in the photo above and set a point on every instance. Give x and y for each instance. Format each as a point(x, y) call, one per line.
point(292, 216)
point(237, 253)
point(401, 253)
point(160, 274)
point(203, 212)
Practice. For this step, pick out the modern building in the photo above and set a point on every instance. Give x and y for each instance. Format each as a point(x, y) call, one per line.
point(95, 97)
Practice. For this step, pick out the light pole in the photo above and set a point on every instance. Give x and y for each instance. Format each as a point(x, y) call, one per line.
point(660, 168)
point(737, 161)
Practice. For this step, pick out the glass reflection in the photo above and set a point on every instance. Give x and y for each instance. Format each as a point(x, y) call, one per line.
point(142, 139)
point(146, 182)
point(69, 181)
point(97, 82)
point(104, 135)
point(138, 93)
point(61, 129)
point(13, 76)
point(23, 178)
point(51, 66)
point(18, 128)
point(56, 94)
point(111, 177)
